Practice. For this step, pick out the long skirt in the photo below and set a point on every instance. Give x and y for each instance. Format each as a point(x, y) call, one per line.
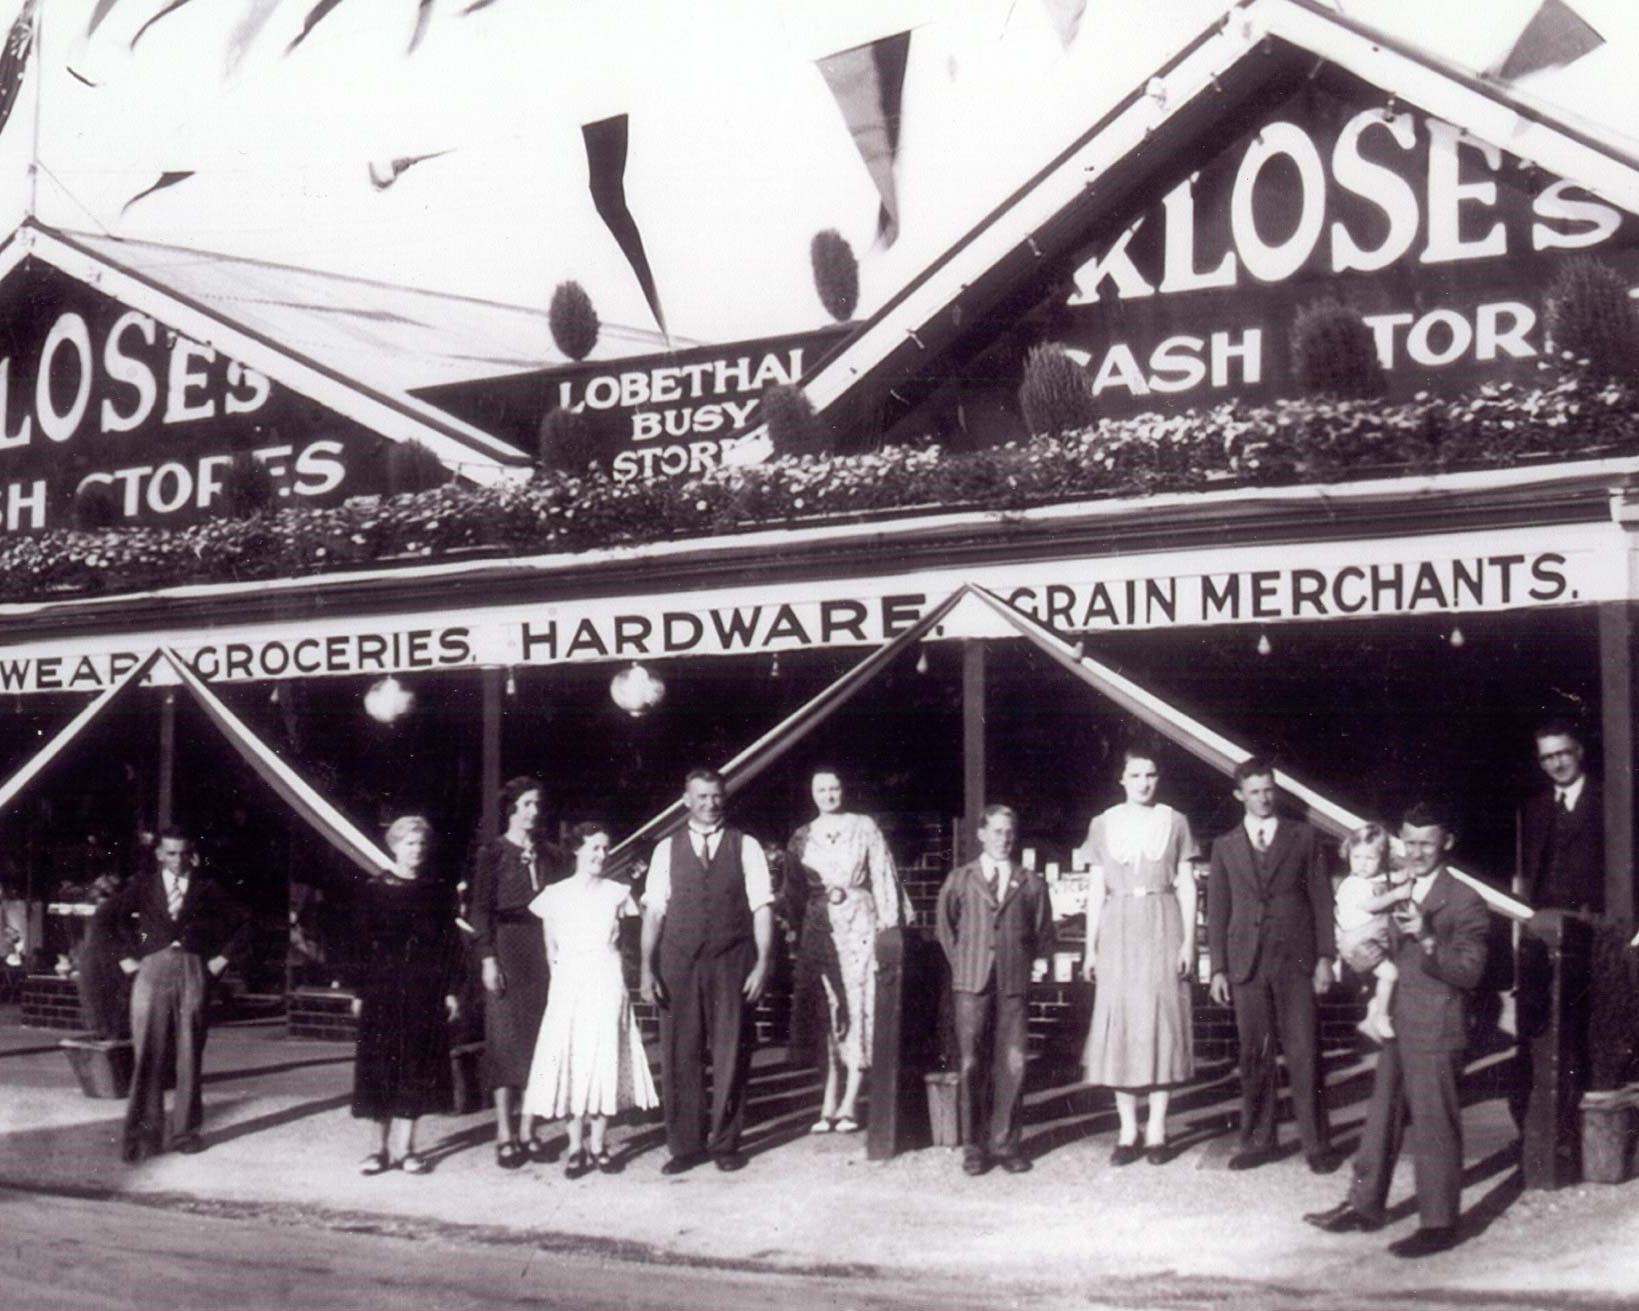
point(512, 1021)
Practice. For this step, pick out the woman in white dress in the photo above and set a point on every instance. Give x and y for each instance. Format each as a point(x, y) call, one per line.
point(840, 890)
point(589, 1061)
point(1141, 951)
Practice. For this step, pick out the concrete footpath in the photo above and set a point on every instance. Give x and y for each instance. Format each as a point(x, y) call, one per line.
point(282, 1148)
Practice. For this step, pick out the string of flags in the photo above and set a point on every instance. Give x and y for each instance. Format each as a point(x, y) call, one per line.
point(1555, 36)
point(868, 82)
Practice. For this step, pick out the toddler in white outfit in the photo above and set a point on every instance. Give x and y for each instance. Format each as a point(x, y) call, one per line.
point(1370, 889)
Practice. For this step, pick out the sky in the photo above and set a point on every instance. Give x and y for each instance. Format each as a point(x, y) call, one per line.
point(738, 152)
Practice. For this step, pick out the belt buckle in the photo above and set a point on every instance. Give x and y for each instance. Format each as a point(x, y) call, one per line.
point(836, 896)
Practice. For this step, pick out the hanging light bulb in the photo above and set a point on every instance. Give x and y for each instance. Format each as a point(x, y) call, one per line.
point(636, 690)
point(1081, 648)
point(388, 700)
point(273, 696)
point(922, 662)
point(1265, 646)
point(1456, 638)
point(774, 666)
point(511, 682)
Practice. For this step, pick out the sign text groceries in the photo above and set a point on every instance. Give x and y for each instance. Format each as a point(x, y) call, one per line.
point(659, 627)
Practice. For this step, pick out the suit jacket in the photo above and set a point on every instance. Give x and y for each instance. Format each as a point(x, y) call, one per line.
point(1430, 1000)
point(210, 923)
point(1583, 874)
point(1289, 904)
point(984, 938)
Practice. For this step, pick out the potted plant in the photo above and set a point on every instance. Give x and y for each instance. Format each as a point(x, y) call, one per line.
point(1609, 1106)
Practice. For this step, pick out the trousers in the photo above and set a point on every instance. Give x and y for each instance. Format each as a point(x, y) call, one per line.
point(705, 1013)
point(990, 1046)
point(1278, 1002)
point(168, 1037)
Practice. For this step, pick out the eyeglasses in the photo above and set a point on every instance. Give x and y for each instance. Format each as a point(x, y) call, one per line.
point(1566, 754)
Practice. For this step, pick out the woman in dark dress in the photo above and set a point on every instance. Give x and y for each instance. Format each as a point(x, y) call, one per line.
point(406, 1001)
point(510, 872)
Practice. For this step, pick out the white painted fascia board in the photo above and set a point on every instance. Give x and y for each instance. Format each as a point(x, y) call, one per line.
point(467, 451)
point(1616, 474)
point(1450, 94)
point(1196, 74)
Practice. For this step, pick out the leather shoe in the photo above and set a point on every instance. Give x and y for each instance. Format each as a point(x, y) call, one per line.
point(681, 1164)
point(1160, 1154)
point(1425, 1242)
point(1251, 1158)
point(1126, 1154)
point(1015, 1164)
point(975, 1163)
point(190, 1144)
point(729, 1162)
point(1323, 1162)
point(1343, 1219)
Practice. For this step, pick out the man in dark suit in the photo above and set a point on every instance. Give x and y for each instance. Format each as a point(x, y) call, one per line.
point(994, 921)
point(1269, 930)
point(1439, 945)
point(708, 930)
point(180, 931)
point(1562, 872)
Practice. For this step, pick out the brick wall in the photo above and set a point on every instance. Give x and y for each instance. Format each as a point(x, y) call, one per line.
point(51, 1002)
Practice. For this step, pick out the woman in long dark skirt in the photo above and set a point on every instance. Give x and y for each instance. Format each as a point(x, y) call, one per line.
point(406, 1001)
point(510, 873)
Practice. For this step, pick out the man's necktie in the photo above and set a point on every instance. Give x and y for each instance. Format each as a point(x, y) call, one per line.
point(173, 898)
point(1263, 838)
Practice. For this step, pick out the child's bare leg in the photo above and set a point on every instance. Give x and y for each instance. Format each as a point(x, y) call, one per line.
point(1377, 1023)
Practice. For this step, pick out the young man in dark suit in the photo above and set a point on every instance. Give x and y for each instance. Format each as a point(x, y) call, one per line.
point(994, 921)
point(1439, 945)
point(1269, 929)
point(180, 931)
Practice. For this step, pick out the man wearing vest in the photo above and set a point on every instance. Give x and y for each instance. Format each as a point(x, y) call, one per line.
point(708, 928)
point(179, 930)
point(1269, 927)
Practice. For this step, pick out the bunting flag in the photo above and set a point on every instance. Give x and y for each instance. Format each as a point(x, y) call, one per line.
point(1199, 740)
point(384, 173)
point(475, 6)
point(14, 60)
point(606, 176)
point(99, 11)
point(142, 31)
point(1556, 35)
point(1065, 15)
point(315, 16)
point(247, 29)
point(868, 83)
point(423, 16)
point(165, 180)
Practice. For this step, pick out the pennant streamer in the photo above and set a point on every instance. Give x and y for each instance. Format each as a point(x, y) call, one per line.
point(385, 173)
point(99, 11)
point(423, 15)
point(1556, 35)
point(606, 175)
point(868, 83)
point(14, 60)
point(143, 30)
point(165, 180)
point(315, 16)
point(1065, 16)
point(248, 28)
point(1200, 741)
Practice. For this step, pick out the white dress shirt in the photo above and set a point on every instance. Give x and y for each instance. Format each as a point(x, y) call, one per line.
point(1260, 831)
point(1571, 793)
point(759, 882)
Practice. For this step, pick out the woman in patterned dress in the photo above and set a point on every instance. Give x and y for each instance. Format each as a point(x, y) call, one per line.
point(589, 1062)
point(1141, 950)
point(840, 890)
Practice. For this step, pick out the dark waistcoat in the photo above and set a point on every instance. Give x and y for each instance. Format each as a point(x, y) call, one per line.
point(707, 913)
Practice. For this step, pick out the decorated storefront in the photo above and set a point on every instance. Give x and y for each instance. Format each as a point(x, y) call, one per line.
point(1383, 564)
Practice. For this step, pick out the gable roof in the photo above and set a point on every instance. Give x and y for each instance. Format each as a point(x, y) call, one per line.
point(1168, 125)
point(349, 345)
